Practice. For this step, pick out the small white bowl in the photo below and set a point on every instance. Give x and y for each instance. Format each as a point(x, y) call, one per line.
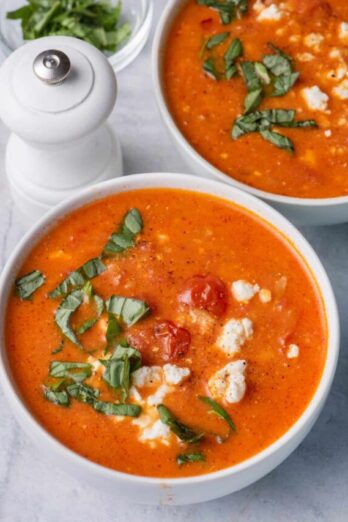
point(138, 13)
point(183, 490)
point(301, 211)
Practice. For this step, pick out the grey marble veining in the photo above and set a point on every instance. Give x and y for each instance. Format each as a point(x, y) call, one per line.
point(310, 486)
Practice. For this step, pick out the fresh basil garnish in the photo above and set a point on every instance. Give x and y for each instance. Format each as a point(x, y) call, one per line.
point(280, 65)
point(127, 309)
point(78, 278)
point(234, 51)
point(119, 367)
point(182, 431)
point(83, 393)
point(215, 40)
point(227, 10)
point(95, 21)
point(113, 330)
point(186, 458)
point(210, 69)
point(263, 122)
point(253, 84)
point(61, 398)
point(76, 371)
point(111, 408)
point(218, 410)
point(64, 312)
point(124, 237)
point(28, 284)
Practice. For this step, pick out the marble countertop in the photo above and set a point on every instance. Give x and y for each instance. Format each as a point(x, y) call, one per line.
point(311, 485)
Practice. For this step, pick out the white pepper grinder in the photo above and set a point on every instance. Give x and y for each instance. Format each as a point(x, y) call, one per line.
point(55, 95)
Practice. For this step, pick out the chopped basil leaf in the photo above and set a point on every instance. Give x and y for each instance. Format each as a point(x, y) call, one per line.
point(59, 348)
point(281, 67)
point(262, 73)
point(252, 100)
point(83, 393)
point(250, 77)
point(210, 69)
point(28, 284)
point(185, 458)
point(113, 330)
point(280, 141)
point(119, 367)
point(64, 312)
point(76, 371)
point(234, 51)
point(215, 40)
point(218, 410)
point(182, 431)
point(61, 398)
point(263, 121)
point(227, 10)
point(127, 309)
point(78, 278)
point(110, 408)
point(124, 237)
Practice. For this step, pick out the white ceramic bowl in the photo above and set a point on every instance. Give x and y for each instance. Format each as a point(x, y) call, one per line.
point(302, 211)
point(185, 490)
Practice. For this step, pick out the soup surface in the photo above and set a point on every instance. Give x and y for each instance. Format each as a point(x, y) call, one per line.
point(214, 355)
point(288, 55)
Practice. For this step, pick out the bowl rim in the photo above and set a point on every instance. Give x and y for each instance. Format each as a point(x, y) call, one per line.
point(156, 59)
point(191, 183)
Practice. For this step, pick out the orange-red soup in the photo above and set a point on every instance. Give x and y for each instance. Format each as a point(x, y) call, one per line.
point(190, 251)
point(314, 33)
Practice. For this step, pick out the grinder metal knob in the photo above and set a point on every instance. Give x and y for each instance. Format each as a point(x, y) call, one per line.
point(52, 66)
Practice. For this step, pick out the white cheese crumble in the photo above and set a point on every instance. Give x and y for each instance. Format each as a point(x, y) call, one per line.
point(293, 351)
point(158, 396)
point(272, 13)
point(343, 31)
point(234, 334)
point(265, 295)
point(305, 57)
point(158, 430)
point(228, 384)
point(147, 376)
point(328, 133)
point(341, 91)
point(243, 291)
point(313, 40)
point(316, 99)
point(175, 374)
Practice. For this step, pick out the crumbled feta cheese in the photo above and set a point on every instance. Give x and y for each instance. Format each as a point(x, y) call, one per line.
point(313, 40)
point(243, 291)
point(270, 13)
point(228, 384)
point(293, 351)
point(341, 91)
point(305, 57)
point(147, 376)
point(258, 5)
point(97, 365)
point(158, 430)
point(175, 374)
point(201, 319)
point(134, 394)
point(316, 99)
point(234, 334)
point(158, 396)
point(343, 31)
point(328, 133)
point(265, 295)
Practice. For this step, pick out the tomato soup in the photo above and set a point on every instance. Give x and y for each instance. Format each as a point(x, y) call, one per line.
point(165, 333)
point(223, 68)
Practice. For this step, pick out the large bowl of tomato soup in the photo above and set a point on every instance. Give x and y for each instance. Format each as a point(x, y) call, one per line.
point(168, 338)
point(255, 93)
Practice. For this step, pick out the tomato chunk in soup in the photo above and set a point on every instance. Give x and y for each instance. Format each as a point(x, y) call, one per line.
point(143, 322)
